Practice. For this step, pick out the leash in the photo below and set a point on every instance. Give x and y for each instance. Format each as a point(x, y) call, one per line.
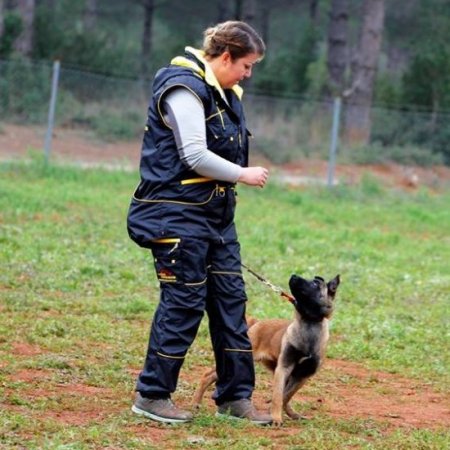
point(274, 288)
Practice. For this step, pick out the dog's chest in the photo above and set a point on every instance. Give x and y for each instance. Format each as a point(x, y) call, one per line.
point(304, 345)
point(300, 364)
point(307, 335)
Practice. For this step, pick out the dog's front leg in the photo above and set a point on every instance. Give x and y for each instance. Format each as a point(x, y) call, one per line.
point(291, 388)
point(279, 380)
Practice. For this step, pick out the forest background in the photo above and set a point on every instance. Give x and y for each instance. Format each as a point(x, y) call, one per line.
point(377, 55)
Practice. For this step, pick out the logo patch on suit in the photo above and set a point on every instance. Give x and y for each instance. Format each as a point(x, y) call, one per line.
point(166, 275)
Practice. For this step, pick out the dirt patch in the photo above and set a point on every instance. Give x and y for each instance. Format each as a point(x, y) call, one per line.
point(352, 391)
point(150, 431)
point(68, 145)
point(30, 375)
point(24, 349)
point(342, 390)
point(78, 147)
point(381, 396)
point(390, 175)
point(70, 404)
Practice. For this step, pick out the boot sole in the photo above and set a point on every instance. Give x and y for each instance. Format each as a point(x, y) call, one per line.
point(256, 422)
point(156, 418)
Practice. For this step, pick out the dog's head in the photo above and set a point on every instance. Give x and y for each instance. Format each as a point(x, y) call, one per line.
point(314, 299)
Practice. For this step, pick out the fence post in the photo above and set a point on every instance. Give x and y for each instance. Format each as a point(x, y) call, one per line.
point(51, 111)
point(334, 140)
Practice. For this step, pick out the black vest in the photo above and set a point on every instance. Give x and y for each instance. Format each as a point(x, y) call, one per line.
point(172, 200)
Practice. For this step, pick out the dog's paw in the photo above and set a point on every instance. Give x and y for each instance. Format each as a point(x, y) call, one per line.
point(277, 421)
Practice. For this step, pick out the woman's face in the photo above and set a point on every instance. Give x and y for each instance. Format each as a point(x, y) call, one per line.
point(231, 72)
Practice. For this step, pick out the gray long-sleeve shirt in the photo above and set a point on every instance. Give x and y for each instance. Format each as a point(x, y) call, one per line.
point(186, 116)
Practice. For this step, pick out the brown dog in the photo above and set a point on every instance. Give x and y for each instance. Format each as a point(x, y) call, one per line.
point(292, 350)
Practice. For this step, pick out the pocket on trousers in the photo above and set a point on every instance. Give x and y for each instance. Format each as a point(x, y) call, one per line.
point(167, 260)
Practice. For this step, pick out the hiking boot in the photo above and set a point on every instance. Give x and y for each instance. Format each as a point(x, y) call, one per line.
point(160, 410)
point(244, 409)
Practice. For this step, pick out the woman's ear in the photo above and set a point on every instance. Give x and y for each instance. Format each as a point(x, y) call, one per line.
point(226, 57)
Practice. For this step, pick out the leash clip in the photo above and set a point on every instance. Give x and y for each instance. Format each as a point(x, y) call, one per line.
point(274, 288)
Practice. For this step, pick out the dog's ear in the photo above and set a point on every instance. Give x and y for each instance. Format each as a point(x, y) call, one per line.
point(333, 284)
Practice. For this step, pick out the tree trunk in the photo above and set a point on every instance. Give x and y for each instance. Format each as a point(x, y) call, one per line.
point(24, 43)
point(90, 15)
point(337, 52)
point(1, 18)
point(249, 12)
point(238, 9)
point(364, 65)
point(146, 47)
point(314, 10)
point(224, 11)
point(249, 9)
point(265, 16)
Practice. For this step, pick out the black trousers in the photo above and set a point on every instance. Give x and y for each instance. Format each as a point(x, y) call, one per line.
point(196, 276)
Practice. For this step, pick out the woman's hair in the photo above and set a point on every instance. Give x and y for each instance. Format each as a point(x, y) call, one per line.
point(238, 38)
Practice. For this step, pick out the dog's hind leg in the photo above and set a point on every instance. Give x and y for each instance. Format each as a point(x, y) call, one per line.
point(208, 378)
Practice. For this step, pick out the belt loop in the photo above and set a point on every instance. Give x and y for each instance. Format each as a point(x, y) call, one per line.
point(220, 190)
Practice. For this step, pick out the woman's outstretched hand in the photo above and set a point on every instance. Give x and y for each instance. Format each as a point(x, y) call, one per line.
point(254, 176)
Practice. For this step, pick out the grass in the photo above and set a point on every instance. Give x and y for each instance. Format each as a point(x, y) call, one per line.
point(76, 298)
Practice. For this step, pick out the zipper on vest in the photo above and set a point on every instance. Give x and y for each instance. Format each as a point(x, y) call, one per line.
point(220, 115)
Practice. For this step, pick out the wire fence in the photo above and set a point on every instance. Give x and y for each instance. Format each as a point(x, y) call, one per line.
point(109, 109)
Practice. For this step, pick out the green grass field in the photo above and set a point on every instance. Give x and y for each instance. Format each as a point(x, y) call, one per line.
point(76, 299)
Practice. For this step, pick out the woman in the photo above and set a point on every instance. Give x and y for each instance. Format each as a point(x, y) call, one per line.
point(195, 149)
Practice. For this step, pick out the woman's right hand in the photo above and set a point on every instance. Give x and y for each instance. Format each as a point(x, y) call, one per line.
point(254, 176)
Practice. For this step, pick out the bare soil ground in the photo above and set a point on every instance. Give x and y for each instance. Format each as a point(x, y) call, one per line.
point(76, 146)
point(341, 390)
point(344, 389)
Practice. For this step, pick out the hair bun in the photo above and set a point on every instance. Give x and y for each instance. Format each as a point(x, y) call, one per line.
point(237, 37)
